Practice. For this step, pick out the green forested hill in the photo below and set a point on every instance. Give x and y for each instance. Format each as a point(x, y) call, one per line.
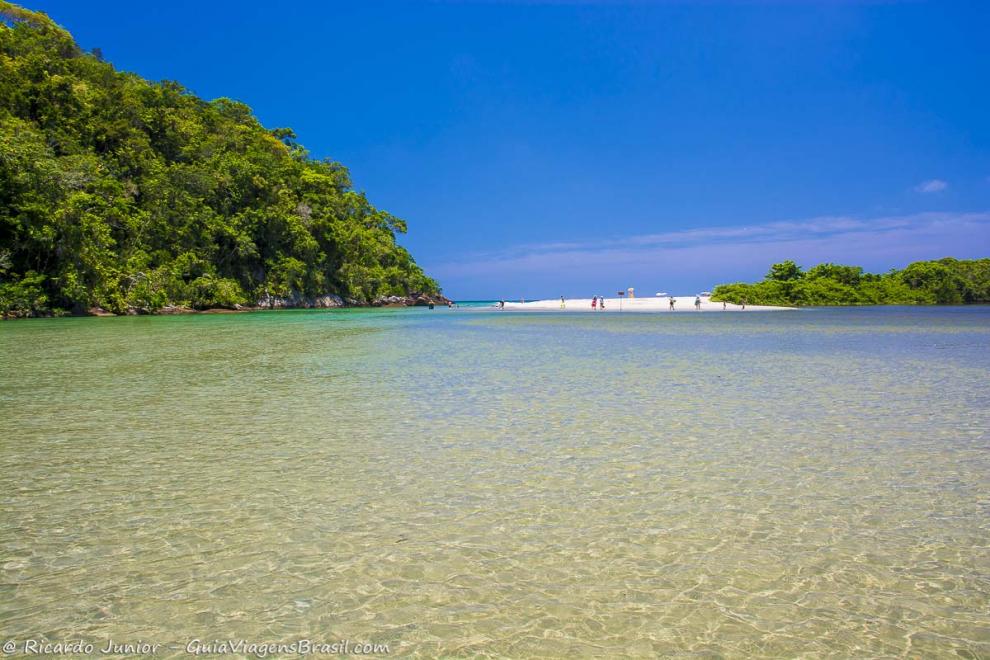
point(121, 193)
point(942, 282)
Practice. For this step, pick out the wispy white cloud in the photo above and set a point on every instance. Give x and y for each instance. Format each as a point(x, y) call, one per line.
point(931, 186)
point(696, 256)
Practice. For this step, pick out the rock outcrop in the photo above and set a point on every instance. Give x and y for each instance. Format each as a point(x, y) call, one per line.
point(98, 311)
point(295, 301)
point(412, 300)
point(291, 301)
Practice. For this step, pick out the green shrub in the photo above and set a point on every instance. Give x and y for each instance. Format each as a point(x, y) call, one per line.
point(946, 281)
point(24, 297)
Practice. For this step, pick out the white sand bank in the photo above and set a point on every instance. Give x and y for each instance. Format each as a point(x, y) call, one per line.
point(681, 304)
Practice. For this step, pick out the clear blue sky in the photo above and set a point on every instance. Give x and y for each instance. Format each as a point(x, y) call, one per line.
point(548, 148)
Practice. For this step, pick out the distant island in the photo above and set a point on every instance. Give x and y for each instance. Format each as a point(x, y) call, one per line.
point(943, 282)
point(119, 195)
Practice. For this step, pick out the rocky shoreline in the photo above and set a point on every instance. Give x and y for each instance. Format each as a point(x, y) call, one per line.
point(326, 301)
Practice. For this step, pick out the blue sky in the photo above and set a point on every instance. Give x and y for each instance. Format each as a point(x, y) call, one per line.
point(547, 148)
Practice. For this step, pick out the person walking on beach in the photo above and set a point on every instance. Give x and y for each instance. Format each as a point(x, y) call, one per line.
point(594, 303)
point(562, 302)
point(670, 299)
point(601, 303)
point(723, 305)
point(697, 303)
point(743, 303)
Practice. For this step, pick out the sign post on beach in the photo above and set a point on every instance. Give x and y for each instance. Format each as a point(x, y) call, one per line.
point(621, 293)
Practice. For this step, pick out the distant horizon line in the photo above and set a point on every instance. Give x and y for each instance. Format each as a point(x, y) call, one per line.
point(703, 257)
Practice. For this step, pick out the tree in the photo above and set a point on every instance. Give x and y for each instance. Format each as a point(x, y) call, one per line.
point(848, 275)
point(938, 279)
point(786, 271)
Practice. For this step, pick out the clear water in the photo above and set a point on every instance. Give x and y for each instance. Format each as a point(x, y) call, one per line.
point(464, 482)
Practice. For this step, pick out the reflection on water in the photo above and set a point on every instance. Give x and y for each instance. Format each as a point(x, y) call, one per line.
point(465, 482)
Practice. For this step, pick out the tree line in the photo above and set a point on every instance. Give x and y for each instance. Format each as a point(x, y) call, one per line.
point(120, 193)
point(942, 282)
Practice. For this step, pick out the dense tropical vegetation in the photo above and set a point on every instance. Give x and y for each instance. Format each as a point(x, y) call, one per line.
point(942, 282)
point(120, 193)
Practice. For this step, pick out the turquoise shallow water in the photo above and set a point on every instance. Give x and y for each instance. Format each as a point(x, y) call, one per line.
point(464, 482)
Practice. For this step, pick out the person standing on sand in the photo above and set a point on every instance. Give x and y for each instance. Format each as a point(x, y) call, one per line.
point(744, 303)
point(670, 299)
point(562, 302)
point(697, 303)
point(594, 302)
point(723, 305)
point(601, 303)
